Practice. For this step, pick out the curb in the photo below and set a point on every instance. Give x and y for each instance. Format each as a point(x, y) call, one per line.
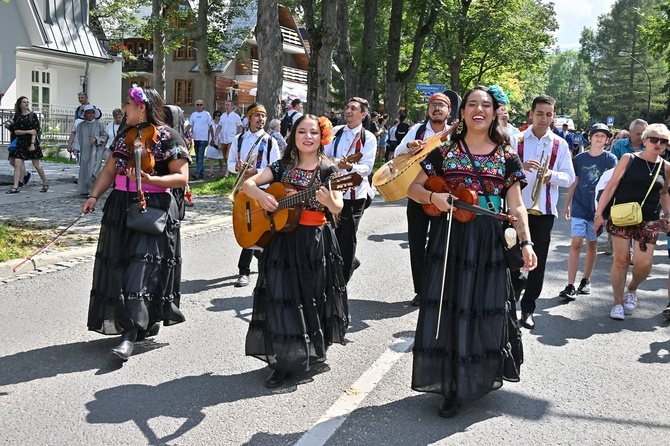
point(64, 259)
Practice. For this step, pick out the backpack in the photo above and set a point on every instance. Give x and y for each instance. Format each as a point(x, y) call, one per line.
point(174, 117)
point(286, 124)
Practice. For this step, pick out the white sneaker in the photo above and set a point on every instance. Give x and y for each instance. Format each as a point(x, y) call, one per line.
point(630, 301)
point(617, 313)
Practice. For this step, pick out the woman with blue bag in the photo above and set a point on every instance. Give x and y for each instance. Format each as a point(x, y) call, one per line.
point(25, 131)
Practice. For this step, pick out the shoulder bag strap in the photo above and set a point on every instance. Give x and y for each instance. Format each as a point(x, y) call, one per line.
point(658, 170)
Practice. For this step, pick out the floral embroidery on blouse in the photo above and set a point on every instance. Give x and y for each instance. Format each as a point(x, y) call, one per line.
point(300, 179)
point(457, 170)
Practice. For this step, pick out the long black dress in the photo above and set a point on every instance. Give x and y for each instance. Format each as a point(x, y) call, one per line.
point(136, 277)
point(300, 300)
point(479, 342)
point(26, 122)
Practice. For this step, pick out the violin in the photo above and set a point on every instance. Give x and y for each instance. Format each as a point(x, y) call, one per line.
point(466, 206)
point(140, 140)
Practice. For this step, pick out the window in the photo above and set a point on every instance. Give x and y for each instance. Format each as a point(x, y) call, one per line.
point(40, 89)
point(183, 92)
point(186, 50)
point(139, 82)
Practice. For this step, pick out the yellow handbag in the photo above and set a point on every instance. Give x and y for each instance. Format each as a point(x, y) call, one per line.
point(630, 214)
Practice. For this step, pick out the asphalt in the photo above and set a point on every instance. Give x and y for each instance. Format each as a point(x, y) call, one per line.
point(60, 206)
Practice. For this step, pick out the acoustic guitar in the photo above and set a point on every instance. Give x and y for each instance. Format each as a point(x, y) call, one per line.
point(254, 226)
point(393, 179)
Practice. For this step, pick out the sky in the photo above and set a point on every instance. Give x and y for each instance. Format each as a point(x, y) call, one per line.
point(574, 15)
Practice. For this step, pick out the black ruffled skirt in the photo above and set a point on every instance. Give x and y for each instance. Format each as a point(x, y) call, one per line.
point(136, 277)
point(479, 342)
point(300, 300)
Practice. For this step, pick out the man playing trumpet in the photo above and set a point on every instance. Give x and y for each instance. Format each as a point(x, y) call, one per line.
point(250, 153)
point(530, 145)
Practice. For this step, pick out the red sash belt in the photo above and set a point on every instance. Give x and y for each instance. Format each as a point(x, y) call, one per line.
point(312, 218)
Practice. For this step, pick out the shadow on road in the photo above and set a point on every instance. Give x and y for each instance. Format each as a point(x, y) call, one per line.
point(197, 285)
point(655, 355)
point(57, 360)
point(371, 310)
point(398, 236)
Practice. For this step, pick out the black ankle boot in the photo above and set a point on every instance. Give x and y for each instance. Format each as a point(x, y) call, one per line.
point(276, 379)
point(125, 348)
point(152, 331)
point(448, 408)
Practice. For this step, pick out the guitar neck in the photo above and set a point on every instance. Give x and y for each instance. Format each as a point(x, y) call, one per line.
point(297, 198)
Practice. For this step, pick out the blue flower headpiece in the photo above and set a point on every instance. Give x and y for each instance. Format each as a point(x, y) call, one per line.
point(499, 95)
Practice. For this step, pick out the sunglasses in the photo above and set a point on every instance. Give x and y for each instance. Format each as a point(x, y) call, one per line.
point(199, 105)
point(655, 140)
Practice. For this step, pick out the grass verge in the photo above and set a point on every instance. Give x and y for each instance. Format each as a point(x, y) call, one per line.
point(19, 242)
point(222, 186)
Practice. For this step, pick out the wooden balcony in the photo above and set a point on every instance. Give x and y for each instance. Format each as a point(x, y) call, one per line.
point(290, 37)
point(138, 66)
point(249, 67)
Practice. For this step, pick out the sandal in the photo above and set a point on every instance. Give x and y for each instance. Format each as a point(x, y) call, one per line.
point(44, 188)
point(13, 190)
point(210, 175)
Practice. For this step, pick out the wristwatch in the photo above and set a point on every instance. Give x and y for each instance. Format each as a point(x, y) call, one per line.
point(526, 242)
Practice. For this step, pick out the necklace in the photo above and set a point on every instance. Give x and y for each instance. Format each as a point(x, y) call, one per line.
point(650, 168)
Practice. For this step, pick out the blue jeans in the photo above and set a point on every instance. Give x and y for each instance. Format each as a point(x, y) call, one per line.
point(200, 158)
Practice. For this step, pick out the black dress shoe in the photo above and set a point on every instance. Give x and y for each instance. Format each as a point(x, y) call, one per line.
point(152, 331)
point(527, 320)
point(448, 408)
point(415, 301)
point(276, 379)
point(125, 348)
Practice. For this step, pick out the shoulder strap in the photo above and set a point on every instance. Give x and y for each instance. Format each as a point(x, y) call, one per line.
point(658, 170)
point(421, 131)
point(270, 138)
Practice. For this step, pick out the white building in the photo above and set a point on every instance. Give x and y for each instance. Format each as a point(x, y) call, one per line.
point(49, 54)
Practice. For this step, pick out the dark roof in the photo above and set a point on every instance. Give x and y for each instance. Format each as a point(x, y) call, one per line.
point(66, 30)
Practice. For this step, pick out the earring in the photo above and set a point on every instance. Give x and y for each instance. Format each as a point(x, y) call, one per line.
point(293, 154)
point(459, 127)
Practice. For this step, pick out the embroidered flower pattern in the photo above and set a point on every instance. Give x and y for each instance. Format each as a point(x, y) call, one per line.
point(300, 179)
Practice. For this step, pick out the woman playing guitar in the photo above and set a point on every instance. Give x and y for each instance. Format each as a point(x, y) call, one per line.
point(467, 340)
point(300, 300)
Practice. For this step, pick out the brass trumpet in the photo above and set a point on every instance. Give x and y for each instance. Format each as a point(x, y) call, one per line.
point(537, 186)
point(237, 186)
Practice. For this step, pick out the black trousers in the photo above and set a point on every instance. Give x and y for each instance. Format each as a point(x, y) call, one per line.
point(346, 233)
point(244, 263)
point(417, 229)
point(540, 232)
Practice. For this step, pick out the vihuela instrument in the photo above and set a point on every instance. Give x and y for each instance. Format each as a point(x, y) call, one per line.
point(536, 192)
point(254, 226)
point(353, 158)
point(393, 179)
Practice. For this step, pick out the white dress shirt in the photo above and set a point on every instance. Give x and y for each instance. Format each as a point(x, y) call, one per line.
point(364, 166)
point(248, 141)
point(412, 136)
point(229, 126)
point(562, 172)
point(112, 130)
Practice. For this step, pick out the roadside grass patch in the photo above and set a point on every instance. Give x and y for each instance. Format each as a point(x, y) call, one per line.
point(19, 242)
point(222, 186)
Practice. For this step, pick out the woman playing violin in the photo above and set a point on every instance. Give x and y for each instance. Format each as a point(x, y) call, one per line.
point(476, 343)
point(136, 277)
point(300, 300)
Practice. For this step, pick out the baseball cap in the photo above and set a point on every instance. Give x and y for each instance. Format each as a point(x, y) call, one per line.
point(600, 128)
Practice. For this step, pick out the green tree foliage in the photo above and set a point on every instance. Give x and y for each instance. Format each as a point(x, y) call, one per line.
point(656, 34)
point(620, 85)
point(568, 83)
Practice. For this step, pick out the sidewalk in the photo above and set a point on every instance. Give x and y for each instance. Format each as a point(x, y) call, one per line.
point(52, 211)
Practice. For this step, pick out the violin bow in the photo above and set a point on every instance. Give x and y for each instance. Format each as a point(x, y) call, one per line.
point(450, 217)
point(30, 257)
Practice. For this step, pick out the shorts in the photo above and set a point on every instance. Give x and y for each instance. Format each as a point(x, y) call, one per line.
point(583, 228)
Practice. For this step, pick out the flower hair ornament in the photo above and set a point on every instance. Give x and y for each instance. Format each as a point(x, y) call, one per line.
point(138, 95)
point(499, 95)
point(326, 128)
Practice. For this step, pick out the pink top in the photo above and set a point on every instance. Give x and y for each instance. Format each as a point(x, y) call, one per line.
point(122, 183)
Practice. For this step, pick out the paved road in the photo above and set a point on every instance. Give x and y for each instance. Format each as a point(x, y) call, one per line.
point(587, 379)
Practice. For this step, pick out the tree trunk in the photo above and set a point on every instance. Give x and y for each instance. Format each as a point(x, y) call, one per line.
point(270, 64)
point(204, 67)
point(322, 37)
point(455, 74)
point(345, 60)
point(368, 72)
point(158, 36)
point(396, 79)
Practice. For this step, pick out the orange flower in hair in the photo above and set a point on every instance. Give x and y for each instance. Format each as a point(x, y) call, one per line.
point(326, 130)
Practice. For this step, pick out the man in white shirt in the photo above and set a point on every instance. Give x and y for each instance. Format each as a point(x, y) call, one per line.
point(349, 139)
point(259, 149)
point(199, 123)
point(536, 141)
point(417, 220)
point(231, 125)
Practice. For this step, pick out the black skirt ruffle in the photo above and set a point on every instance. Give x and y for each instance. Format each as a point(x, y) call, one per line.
point(479, 342)
point(300, 300)
point(136, 277)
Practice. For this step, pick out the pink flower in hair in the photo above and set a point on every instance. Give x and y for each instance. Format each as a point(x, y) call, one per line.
point(138, 95)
